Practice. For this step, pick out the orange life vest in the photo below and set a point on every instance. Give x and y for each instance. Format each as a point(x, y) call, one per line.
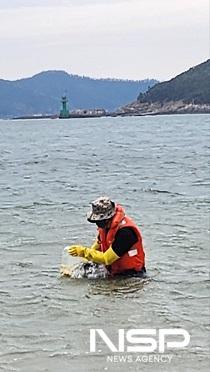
point(134, 258)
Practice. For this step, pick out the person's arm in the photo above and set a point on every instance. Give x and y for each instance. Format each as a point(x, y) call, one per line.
point(105, 258)
point(96, 245)
point(125, 238)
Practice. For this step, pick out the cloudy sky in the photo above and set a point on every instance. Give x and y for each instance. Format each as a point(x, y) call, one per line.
point(134, 39)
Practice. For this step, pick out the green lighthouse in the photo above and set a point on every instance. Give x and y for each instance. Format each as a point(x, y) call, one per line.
point(64, 112)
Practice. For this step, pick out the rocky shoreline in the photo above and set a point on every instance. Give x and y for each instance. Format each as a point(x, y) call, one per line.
point(158, 108)
point(138, 109)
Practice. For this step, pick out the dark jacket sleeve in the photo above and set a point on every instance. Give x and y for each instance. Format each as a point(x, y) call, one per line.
point(125, 238)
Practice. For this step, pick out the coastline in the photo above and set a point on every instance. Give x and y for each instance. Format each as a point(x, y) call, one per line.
point(133, 109)
point(167, 108)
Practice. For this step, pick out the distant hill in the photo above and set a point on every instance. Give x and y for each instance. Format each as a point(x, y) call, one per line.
point(192, 85)
point(188, 92)
point(41, 93)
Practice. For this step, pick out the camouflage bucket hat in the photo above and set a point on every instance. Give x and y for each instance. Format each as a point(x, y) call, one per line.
point(102, 209)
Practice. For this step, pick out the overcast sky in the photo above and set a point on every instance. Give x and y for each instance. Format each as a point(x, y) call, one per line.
point(134, 39)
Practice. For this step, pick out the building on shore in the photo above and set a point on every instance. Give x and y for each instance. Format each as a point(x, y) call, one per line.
point(98, 112)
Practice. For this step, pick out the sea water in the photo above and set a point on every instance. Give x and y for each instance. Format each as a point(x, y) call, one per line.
point(50, 170)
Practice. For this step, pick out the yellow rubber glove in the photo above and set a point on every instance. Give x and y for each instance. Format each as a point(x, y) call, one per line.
point(96, 245)
point(106, 258)
point(77, 250)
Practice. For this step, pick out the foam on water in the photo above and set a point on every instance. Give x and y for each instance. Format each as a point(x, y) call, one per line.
point(78, 268)
point(84, 270)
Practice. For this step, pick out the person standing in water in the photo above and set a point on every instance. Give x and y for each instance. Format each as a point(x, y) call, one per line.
point(119, 242)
